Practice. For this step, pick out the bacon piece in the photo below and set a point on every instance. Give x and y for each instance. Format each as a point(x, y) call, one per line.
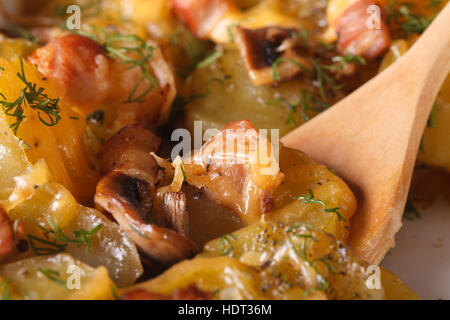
point(239, 170)
point(78, 65)
point(6, 234)
point(86, 76)
point(354, 35)
point(201, 16)
point(192, 292)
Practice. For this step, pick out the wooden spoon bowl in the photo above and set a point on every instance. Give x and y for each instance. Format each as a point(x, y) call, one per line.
point(371, 138)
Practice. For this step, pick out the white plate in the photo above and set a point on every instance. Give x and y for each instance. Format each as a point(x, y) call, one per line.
point(421, 256)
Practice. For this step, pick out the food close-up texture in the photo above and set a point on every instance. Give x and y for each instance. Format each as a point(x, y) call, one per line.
point(96, 94)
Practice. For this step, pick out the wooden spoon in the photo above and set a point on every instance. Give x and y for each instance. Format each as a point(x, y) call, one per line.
point(371, 138)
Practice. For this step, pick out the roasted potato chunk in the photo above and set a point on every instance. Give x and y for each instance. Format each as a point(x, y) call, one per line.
point(272, 260)
point(48, 278)
point(54, 222)
point(222, 93)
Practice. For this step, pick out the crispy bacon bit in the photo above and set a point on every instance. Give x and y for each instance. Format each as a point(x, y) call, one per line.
point(192, 292)
point(201, 16)
point(243, 171)
point(260, 49)
point(78, 65)
point(128, 191)
point(354, 36)
point(6, 234)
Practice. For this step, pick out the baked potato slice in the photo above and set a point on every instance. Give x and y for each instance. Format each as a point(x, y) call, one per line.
point(54, 133)
point(54, 222)
point(49, 278)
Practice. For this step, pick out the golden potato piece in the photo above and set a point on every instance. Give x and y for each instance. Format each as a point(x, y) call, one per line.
point(54, 278)
point(59, 142)
point(271, 260)
point(54, 222)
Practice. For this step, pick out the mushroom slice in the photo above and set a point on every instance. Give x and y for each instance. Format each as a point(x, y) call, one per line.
point(87, 76)
point(6, 234)
point(262, 48)
point(349, 23)
point(239, 169)
point(170, 211)
point(128, 191)
point(125, 198)
point(129, 150)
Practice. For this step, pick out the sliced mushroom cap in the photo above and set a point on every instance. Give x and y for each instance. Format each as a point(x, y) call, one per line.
point(262, 48)
point(126, 198)
point(6, 234)
point(128, 192)
point(354, 35)
point(239, 169)
point(129, 150)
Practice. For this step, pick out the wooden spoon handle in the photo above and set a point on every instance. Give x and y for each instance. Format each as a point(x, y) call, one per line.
point(429, 58)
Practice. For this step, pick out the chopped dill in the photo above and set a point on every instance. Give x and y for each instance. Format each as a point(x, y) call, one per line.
point(53, 275)
point(276, 75)
point(408, 22)
point(310, 199)
point(210, 59)
point(133, 52)
point(291, 107)
point(207, 90)
point(225, 243)
point(59, 240)
point(348, 58)
point(33, 97)
point(338, 213)
point(182, 171)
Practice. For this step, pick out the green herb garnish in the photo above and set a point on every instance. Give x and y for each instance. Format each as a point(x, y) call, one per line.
point(34, 98)
point(210, 59)
point(133, 53)
point(60, 240)
point(207, 90)
point(348, 58)
point(276, 75)
point(182, 171)
point(291, 107)
point(225, 243)
point(310, 199)
point(409, 22)
point(53, 275)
